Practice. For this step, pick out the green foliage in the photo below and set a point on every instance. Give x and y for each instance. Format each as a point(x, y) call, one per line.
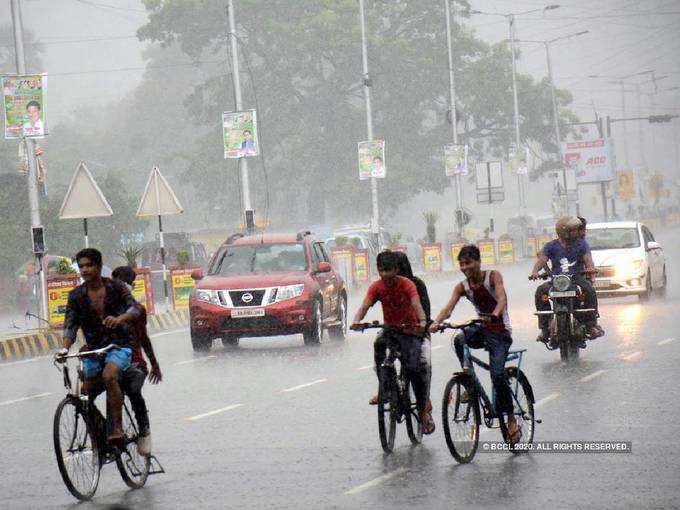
point(356, 242)
point(183, 257)
point(341, 240)
point(64, 267)
point(395, 240)
point(130, 252)
point(431, 219)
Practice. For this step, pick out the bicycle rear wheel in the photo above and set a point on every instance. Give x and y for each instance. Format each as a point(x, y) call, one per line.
point(461, 420)
point(133, 467)
point(415, 434)
point(388, 407)
point(76, 449)
point(523, 408)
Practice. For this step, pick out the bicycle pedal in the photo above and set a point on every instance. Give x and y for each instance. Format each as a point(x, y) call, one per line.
point(538, 421)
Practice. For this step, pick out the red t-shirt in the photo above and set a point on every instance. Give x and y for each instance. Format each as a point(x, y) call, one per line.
point(138, 330)
point(395, 300)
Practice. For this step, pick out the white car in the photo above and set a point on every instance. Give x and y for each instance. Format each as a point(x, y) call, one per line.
point(629, 260)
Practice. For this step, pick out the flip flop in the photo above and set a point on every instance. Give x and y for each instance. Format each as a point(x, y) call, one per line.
point(429, 425)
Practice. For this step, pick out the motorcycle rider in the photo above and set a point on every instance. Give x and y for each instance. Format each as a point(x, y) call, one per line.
point(568, 254)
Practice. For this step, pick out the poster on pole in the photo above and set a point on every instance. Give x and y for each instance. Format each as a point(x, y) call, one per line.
point(519, 160)
point(625, 184)
point(372, 159)
point(239, 132)
point(590, 159)
point(456, 160)
point(24, 106)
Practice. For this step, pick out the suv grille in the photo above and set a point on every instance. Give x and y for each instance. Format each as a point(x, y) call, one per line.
point(237, 297)
point(606, 271)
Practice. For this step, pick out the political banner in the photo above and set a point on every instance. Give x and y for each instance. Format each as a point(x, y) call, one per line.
point(24, 106)
point(432, 257)
point(519, 160)
point(239, 131)
point(590, 159)
point(456, 160)
point(625, 184)
point(487, 251)
point(372, 159)
point(182, 285)
point(506, 250)
point(361, 270)
point(58, 288)
point(142, 290)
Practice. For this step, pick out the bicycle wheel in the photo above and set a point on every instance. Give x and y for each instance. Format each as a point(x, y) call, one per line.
point(461, 420)
point(415, 434)
point(133, 467)
point(388, 408)
point(76, 449)
point(523, 408)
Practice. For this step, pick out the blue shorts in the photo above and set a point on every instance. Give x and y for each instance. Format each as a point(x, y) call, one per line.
point(120, 357)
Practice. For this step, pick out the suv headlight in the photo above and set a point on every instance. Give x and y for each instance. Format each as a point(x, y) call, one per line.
point(208, 296)
point(629, 268)
point(561, 283)
point(286, 292)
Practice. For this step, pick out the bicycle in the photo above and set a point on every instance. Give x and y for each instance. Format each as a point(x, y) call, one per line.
point(396, 399)
point(80, 431)
point(461, 417)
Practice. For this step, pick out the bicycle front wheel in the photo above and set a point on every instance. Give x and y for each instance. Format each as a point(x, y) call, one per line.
point(388, 408)
point(523, 408)
point(76, 449)
point(133, 467)
point(460, 418)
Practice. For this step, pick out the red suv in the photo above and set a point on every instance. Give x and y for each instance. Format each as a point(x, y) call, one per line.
point(267, 285)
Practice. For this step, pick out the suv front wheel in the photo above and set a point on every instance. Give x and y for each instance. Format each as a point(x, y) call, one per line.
point(200, 341)
point(313, 333)
point(339, 332)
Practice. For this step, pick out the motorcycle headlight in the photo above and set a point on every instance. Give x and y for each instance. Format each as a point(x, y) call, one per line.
point(208, 296)
point(561, 283)
point(629, 268)
point(286, 292)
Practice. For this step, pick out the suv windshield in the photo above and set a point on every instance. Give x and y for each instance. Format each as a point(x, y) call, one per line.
point(259, 258)
point(613, 238)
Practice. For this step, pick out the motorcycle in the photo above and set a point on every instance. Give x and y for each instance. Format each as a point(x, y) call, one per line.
point(567, 333)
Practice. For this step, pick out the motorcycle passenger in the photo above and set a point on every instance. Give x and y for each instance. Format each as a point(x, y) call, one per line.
point(582, 235)
point(133, 378)
point(569, 254)
point(486, 292)
point(380, 345)
point(401, 306)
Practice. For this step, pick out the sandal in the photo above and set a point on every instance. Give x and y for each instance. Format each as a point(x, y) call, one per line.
point(428, 424)
point(515, 436)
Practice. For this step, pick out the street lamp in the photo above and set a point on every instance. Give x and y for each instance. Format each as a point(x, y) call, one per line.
point(511, 25)
point(556, 122)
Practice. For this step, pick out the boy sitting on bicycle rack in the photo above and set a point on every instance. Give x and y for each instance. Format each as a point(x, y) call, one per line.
point(102, 308)
point(484, 289)
point(401, 306)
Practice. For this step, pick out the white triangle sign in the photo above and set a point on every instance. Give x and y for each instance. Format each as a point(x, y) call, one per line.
point(84, 199)
point(158, 198)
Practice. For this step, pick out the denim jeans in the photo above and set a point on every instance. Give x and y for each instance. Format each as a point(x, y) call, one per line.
point(498, 345)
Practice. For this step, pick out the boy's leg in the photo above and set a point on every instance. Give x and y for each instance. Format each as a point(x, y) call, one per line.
point(133, 381)
point(117, 360)
point(379, 355)
point(498, 346)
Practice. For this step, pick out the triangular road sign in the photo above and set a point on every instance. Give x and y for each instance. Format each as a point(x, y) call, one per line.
point(158, 198)
point(84, 199)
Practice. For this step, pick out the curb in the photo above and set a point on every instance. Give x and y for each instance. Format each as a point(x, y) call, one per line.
point(47, 341)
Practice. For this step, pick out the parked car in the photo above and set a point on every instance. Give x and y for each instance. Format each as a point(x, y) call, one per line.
point(268, 285)
point(629, 260)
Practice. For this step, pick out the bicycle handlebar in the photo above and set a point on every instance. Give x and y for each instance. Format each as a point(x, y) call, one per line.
point(85, 354)
point(547, 276)
point(378, 325)
point(447, 325)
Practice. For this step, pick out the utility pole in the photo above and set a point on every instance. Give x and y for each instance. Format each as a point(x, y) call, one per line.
point(29, 145)
point(454, 117)
point(375, 219)
point(248, 213)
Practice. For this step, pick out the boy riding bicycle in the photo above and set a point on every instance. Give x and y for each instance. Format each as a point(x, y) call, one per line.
point(401, 307)
point(485, 290)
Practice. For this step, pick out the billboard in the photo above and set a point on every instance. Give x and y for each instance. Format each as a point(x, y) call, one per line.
point(24, 106)
point(590, 159)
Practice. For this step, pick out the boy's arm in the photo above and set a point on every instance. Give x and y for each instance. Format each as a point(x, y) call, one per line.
point(132, 310)
point(155, 376)
point(361, 312)
point(448, 309)
point(540, 263)
point(71, 323)
point(497, 281)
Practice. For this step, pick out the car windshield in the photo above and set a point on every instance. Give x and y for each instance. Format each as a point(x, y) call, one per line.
point(259, 258)
point(613, 238)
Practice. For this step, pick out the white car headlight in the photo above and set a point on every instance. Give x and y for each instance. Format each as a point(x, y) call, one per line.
point(208, 296)
point(561, 283)
point(629, 268)
point(286, 292)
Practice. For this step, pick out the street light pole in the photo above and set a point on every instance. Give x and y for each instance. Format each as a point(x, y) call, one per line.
point(32, 162)
point(375, 224)
point(248, 215)
point(454, 117)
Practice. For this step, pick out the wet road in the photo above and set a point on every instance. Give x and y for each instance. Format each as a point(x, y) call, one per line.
point(275, 424)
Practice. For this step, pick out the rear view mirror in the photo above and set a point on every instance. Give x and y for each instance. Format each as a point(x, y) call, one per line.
point(653, 245)
point(197, 275)
point(324, 267)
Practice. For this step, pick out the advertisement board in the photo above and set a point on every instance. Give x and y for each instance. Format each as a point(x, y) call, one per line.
point(590, 159)
point(142, 290)
point(625, 184)
point(487, 251)
point(432, 257)
point(361, 268)
point(456, 160)
point(506, 250)
point(239, 133)
point(58, 287)
point(372, 159)
point(24, 106)
point(182, 284)
point(455, 250)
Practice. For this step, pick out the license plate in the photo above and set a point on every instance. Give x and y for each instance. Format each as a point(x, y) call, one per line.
point(602, 283)
point(240, 314)
point(568, 293)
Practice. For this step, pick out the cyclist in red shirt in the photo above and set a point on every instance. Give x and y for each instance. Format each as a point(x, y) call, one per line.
point(133, 378)
point(401, 306)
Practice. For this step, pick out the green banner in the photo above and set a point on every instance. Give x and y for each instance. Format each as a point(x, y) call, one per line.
point(239, 131)
point(24, 100)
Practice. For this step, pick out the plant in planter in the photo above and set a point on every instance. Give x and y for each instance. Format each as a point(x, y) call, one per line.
point(395, 240)
point(130, 252)
point(431, 219)
point(64, 267)
point(341, 241)
point(356, 242)
point(183, 257)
